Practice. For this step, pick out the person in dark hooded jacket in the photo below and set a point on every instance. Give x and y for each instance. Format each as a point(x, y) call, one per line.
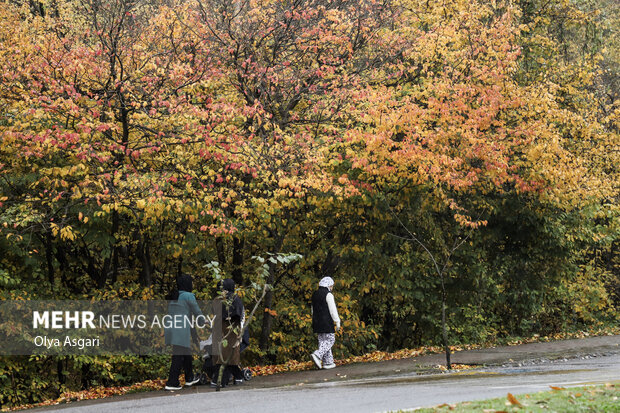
point(182, 304)
point(233, 315)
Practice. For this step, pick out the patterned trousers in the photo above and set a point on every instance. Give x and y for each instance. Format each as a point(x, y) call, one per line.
point(326, 341)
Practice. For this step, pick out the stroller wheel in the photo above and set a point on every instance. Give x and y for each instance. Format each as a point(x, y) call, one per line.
point(247, 374)
point(204, 379)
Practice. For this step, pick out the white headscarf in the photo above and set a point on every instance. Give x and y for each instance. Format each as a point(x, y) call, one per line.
point(326, 282)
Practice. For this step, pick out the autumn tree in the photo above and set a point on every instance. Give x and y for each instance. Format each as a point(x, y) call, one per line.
point(107, 111)
point(291, 67)
point(459, 122)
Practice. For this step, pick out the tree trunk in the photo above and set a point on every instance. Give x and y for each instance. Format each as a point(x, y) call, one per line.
point(49, 257)
point(61, 376)
point(144, 255)
point(444, 329)
point(179, 267)
point(61, 257)
point(91, 268)
point(103, 274)
point(237, 261)
point(221, 250)
point(115, 265)
point(85, 376)
point(115, 225)
point(267, 317)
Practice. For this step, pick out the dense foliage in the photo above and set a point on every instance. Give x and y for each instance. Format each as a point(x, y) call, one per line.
point(452, 165)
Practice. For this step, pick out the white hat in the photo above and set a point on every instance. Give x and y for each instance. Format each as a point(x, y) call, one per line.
point(326, 282)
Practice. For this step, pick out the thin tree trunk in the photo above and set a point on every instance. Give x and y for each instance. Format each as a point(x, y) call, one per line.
point(220, 375)
point(62, 261)
point(103, 274)
point(179, 267)
point(444, 329)
point(144, 255)
point(61, 376)
point(49, 257)
point(221, 250)
point(115, 225)
point(267, 317)
point(85, 376)
point(264, 341)
point(237, 261)
point(115, 265)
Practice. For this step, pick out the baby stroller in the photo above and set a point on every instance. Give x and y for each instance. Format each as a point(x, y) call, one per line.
point(208, 372)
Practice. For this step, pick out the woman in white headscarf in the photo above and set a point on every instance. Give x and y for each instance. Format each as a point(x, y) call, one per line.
point(324, 317)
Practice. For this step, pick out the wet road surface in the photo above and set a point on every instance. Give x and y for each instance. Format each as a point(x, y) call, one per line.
point(380, 394)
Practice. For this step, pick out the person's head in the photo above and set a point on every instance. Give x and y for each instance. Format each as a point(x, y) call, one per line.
point(327, 282)
point(184, 282)
point(228, 285)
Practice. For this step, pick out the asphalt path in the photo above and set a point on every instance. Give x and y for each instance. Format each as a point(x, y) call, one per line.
point(379, 394)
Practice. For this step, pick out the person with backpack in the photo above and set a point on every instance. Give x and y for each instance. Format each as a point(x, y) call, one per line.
point(182, 305)
point(324, 316)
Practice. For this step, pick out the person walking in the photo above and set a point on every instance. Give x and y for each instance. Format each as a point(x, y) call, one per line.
point(182, 306)
point(324, 316)
point(233, 317)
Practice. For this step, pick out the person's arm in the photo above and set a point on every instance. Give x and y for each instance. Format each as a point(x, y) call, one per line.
point(193, 305)
point(333, 311)
point(238, 311)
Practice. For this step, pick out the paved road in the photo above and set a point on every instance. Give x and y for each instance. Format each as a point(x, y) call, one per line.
point(381, 394)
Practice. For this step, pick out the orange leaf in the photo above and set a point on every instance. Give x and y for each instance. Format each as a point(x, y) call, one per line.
point(557, 388)
point(512, 399)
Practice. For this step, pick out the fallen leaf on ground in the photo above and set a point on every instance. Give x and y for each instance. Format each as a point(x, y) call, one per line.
point(513, 400)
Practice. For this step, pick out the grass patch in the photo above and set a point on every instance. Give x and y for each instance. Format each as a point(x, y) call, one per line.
point(603, 398)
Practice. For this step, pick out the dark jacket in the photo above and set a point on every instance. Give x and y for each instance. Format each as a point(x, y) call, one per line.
point(232, 307)
point(321, 319)
point(232, 313)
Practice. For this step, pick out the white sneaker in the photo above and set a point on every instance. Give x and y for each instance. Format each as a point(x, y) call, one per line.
point(329, 366)
point(191, 383)
point(316, 360)
point(173, 388)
